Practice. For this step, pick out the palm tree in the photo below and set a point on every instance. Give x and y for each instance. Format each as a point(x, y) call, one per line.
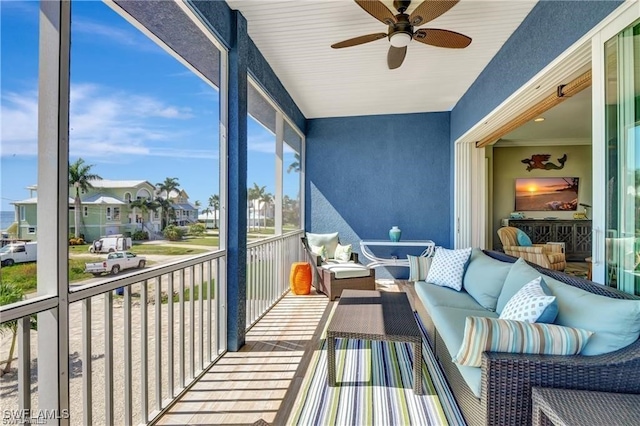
point(197, 205)
point(167, 210)
point(145, 205)
point(80, 178)
point(169, 185)
point(257, 194)
point(214, 201)
point(10, 293)
point(267, 199)
point(206, 216)
point(295, 166)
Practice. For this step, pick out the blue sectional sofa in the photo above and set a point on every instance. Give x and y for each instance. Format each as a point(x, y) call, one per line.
point(499, 391)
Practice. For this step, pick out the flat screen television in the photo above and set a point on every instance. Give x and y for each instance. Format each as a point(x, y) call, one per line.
point(547, 194)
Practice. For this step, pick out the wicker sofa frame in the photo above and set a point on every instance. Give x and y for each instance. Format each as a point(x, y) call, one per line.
point(325, 281)
point(507, 378)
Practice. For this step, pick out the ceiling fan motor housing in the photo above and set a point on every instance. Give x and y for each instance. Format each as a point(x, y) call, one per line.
point(401, 5)
point(402, 26)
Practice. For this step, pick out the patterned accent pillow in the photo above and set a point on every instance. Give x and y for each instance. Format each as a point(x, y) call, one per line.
point(343, 253)
point(319, 251)
point(531, 304)
point(418, 267)
point(523, 239)
point(447, 267)
point(498, 335)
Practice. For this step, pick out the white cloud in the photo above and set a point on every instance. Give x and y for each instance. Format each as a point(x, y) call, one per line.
point(261, 143)
point(129, 37)
point(103, 123)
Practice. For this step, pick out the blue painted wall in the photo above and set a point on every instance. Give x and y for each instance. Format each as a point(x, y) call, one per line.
point(365, 174)
point(549, 29)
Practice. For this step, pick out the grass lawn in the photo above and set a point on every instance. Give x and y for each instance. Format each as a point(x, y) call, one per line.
point(25, 276)
point(165, 250)
point(200, 241)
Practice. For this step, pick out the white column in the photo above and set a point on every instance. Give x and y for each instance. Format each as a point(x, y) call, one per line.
point(53, 205)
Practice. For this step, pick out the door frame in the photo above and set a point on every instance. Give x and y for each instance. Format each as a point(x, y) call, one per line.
point(470, 175)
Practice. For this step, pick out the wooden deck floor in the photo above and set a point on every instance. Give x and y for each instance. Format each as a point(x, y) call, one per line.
point(251, 384)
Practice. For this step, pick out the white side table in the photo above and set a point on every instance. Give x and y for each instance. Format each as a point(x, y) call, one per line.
point(429, 247)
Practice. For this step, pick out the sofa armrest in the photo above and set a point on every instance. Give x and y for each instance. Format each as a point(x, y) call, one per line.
point(507, 378)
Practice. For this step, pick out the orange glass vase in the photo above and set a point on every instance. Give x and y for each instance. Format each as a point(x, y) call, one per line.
point(300, 278)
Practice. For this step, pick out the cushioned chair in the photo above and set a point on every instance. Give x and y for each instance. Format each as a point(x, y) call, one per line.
point(334, 275)
point(549, 255)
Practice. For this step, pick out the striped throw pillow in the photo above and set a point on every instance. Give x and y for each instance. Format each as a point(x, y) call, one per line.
point(498, 335)
point(418, 267)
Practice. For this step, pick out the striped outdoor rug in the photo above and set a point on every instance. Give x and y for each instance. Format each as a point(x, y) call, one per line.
point(374, 388)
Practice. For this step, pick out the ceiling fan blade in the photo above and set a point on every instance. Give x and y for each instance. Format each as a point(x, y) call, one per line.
point(442, 38)
point(359, 40)
point(429, 10)
point(395, 57)
point(378, 10)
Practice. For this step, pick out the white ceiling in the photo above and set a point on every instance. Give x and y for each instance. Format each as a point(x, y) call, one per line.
point(295, 38)
point(570, 119)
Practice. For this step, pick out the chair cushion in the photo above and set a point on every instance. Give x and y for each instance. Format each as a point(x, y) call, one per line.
point(343, 252)
point(330, 241)
point(347, 270)
point(484, 278)
point(523, 239)
point(532, 304)
point(482, 334)
point(319, 251)
point(418, 267)
point(447, 267)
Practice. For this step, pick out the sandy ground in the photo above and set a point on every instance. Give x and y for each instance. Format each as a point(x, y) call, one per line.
point(9, 382)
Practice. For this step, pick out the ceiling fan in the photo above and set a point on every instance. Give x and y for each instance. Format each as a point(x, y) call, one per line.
point(401, 28)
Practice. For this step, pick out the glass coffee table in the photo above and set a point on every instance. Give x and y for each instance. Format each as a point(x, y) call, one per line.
point(375, 315)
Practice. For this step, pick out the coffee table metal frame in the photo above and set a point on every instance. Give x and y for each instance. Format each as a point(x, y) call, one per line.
point(375, 315)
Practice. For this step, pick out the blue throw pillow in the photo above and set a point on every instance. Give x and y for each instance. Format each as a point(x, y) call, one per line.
point(523, 239)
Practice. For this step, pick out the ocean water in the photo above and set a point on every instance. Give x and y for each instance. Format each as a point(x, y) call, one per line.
point(6, 219)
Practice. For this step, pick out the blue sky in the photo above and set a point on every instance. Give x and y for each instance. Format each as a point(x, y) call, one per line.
point(136, 112)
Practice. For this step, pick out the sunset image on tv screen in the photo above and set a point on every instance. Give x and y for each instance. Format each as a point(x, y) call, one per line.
point(546, 194)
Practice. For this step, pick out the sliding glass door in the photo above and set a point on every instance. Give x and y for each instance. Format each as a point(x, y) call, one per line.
point(622, 160)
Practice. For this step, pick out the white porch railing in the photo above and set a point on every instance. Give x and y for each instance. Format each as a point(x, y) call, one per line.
point(131, 356)
point(268, 264)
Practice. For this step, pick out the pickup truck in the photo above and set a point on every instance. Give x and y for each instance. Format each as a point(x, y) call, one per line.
point(115, 262)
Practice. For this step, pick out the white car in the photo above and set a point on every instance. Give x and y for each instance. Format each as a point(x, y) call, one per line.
point(116, 262)
point(18, 253)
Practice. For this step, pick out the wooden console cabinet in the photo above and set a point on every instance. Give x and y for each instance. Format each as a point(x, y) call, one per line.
point(575, 234)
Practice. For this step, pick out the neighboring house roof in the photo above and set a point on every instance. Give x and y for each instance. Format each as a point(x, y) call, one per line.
point(101, 199)
point(183, 206)
point(107, 183)
point(34, 200)
point(93, 199)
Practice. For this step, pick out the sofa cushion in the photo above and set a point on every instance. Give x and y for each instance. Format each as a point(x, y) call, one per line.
point(433, 296)
point(347, 270)
point(519, 275)
point(484, 278)
point(483, 334)
point(531, 304)
point(342, 252)
point(418, 267)
point(330, 241)
point(615, 322)
point(450, 324)
point(447, 267)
